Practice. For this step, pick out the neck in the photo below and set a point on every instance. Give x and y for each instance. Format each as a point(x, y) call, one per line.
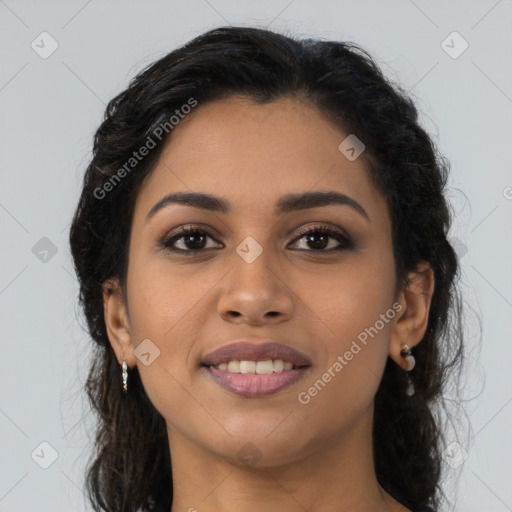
point(337, 470)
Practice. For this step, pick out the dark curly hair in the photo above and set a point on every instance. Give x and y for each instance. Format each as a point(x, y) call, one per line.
point(131, 466)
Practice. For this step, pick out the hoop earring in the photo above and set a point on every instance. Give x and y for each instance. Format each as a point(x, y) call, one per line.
point(411, 362)
point(125, 375)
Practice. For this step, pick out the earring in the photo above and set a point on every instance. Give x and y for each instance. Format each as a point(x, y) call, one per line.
point(125, 375)
point(406, 353)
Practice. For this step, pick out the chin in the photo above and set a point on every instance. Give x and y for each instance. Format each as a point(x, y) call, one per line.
point(260, 449)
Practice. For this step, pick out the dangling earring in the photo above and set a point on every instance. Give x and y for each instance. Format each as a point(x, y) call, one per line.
point(411, 362)
point(125, 375)
point(406, 353)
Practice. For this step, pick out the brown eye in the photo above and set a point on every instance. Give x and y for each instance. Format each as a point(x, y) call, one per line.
point(317, 239)
point(191, 239)
point(195, 240)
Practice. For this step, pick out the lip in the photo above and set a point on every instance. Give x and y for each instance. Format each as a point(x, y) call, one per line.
point(261, 351)
point(254, 385)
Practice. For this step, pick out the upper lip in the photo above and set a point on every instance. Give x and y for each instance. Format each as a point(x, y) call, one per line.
point(261, 351)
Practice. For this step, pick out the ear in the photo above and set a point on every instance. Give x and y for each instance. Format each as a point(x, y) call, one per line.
point(411, 322)
point(117, 322)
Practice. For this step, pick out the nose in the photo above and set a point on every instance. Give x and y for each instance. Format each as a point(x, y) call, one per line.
point(256, 293)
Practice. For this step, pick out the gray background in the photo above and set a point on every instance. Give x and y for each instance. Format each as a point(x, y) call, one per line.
point(50, 108)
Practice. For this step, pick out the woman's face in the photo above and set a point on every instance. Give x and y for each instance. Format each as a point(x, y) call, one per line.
point(258, 277)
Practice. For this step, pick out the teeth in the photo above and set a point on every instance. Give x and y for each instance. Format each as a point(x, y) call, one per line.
point(234, 366)
point(258, 367)
point(248, 367)
point(278, 365)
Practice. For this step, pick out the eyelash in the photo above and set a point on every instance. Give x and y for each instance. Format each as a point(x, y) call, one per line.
point(345, 242)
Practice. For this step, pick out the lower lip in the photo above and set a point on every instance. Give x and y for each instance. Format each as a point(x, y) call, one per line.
point(253, 385)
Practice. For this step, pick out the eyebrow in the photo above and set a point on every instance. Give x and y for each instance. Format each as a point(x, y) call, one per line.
point(286, 204)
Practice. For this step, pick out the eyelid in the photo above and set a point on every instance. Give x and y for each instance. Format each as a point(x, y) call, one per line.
point(183, 228)
point(304, 230)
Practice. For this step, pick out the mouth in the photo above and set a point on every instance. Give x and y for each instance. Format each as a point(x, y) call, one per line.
point(255, 370)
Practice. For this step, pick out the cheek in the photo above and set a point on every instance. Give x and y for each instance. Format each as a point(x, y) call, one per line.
point(357, 318)
point(352, 296)
point(163, 296)
point(165, 307)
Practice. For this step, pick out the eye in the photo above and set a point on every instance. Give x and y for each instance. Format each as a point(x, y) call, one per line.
point(318, 238)
point(194, 240)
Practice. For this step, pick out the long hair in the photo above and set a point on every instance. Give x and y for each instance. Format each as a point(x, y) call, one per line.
point(131, 465)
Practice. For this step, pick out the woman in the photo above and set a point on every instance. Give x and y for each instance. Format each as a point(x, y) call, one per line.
point(264, 268)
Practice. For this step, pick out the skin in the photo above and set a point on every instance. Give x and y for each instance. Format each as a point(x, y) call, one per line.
point(315, 456)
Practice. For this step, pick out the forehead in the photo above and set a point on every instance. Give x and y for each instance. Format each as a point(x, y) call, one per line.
point(255, 153)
